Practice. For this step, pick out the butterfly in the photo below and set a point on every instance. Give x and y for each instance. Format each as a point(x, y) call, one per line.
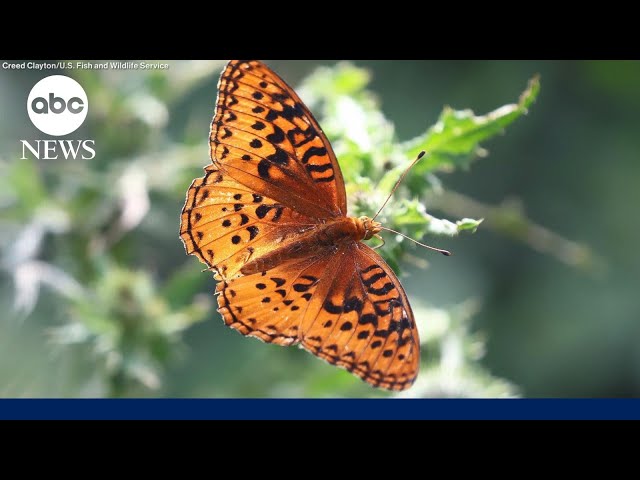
point(269, 218)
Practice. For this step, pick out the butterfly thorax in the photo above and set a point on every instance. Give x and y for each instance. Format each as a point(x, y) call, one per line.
point(347, 228)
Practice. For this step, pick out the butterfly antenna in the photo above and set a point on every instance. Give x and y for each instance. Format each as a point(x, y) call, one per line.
point(444, 252)
point(404, 174)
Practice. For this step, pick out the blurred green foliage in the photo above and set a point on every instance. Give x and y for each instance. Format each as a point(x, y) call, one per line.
point(100, 299)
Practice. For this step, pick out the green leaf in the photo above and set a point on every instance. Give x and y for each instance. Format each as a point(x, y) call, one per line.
point(454, 140)
point(468, 225)
point(410, 212)
point(411, 217)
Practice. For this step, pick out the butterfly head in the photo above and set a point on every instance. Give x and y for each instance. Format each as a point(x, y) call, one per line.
point(367, 227)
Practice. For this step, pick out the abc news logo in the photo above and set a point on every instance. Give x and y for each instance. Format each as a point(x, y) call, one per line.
point(57, 105)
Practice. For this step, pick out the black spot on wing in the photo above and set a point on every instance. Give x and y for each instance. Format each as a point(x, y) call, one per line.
point(279, 97)
point(381, 333)
point(313, 151)
point(278, 213)
point(319, 168)
point(373, 279)
point(277, 136)
point(263, 210)
point(331, 308)
point(303, 287)
point(386, 288)
point(324, 179)
point(368, 318)
point(371, 267)
point(352, 304)
point(279, 157)
point(263, 168)
point(253, 231)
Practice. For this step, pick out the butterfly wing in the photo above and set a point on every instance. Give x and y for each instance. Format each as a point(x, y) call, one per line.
point(270, 304)
point(265, 137)
point(227, 225)
point(273, 173)
point(361, 320)
point(343, 304)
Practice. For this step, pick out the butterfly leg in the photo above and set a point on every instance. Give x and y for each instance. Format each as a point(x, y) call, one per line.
point(380, 238)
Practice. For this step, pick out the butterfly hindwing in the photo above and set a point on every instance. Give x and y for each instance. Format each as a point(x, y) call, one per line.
point(359, 320)
point(363, 322)
point(270, 304)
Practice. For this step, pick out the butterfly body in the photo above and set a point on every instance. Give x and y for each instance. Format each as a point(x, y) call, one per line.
point(329, 235)
point(345, 229)
point(270, 219)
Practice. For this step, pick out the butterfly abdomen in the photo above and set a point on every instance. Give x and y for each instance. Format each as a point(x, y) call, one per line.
point(338, 231)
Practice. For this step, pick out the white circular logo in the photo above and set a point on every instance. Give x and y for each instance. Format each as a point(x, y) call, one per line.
point(57, 105)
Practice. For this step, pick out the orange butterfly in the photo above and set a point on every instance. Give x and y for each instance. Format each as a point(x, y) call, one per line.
point(270, 218)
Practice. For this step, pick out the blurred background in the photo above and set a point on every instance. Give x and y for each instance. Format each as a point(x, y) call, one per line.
point(97, 296)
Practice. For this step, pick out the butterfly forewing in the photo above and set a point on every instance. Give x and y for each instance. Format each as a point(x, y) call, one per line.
point(264, 135)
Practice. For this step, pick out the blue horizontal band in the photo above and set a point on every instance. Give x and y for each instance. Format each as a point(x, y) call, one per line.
point(391, 409)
